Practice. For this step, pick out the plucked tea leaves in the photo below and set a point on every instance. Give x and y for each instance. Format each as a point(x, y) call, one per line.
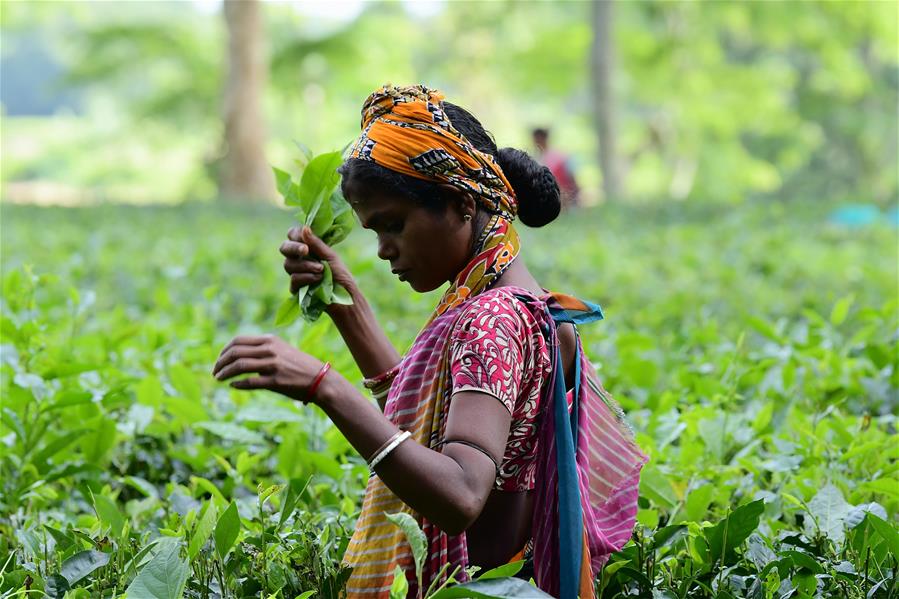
point(321, 207)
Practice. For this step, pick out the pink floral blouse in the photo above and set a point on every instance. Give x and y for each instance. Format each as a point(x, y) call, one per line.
point(498, 349)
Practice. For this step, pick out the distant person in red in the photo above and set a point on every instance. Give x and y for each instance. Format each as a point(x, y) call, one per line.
point(558, 164)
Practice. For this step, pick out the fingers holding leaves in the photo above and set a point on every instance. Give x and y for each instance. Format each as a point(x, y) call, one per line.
point(295, 234)
point(294, 249)
point(317, 246)
point(300, 280)
point(303, 271)
point(327, 219)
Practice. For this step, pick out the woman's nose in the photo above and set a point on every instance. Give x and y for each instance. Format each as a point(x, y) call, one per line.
point(386, 249)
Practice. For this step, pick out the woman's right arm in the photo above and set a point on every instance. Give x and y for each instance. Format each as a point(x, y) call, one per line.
point(370, 347)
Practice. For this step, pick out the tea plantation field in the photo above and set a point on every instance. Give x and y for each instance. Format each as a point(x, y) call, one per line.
point(754, 349)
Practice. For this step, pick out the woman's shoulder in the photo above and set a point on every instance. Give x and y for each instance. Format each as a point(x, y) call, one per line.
point(508, 301)
point(520, 296)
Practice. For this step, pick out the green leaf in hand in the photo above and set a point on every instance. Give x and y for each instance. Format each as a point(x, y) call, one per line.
point(321, 206)
point(320, 217)
point(319, 179)
point(283, 181)
point(325, 289)
point(343, 222)
point(288, 311)
point(311, 307)
point(305, 154)
point(341, 296)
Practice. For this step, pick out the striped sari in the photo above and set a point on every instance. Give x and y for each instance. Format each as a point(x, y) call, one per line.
point(598, 509)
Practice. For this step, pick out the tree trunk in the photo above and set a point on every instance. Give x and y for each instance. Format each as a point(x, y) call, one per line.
point(602, 59)
point(244, 172)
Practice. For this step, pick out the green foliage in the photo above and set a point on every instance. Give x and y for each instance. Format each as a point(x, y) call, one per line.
point(399, 588)
point(81, 564)
point(730, 533)
point(227, 530)
point(163, 577)
point(203, 530)
point(322, 208)
point(493, 584)
point(416, 539)
point(765, 398)
point(715, 103)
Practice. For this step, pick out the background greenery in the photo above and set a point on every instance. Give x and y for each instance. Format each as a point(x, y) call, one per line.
point(749, 276)
point(717, 102)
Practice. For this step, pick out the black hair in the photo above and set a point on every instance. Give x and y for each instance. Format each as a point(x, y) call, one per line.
point(534, 185)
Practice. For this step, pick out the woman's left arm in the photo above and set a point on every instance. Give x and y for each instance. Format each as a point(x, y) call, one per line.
point(448, 488)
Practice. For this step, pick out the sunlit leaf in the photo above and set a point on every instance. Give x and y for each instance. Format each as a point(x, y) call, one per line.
point(841, 310)
point(226, 530)
point(202, 531)
point(288, 311)
point(414, 536)
point(400, 585)
point(83, 563)
point(497, 588)
point(734, 529)
point(829, 509)
point(232, 432)
point(108, 513)
point(163, 577)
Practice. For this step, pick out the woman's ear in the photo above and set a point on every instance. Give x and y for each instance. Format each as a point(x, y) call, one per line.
point(461, 203)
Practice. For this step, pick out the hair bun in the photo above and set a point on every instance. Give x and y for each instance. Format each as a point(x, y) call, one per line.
point(535, 187)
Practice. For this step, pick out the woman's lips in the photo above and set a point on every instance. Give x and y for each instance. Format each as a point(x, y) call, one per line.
point(401, 273)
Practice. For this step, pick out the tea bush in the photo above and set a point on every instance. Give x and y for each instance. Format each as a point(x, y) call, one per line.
point(754, 349)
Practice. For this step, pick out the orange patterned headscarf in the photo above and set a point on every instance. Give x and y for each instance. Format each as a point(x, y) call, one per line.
point(405, 130)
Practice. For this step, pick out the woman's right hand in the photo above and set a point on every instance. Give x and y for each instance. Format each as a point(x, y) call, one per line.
point(357, 324)
point(303, 253)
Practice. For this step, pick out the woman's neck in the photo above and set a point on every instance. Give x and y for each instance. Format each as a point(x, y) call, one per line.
point(518, 275)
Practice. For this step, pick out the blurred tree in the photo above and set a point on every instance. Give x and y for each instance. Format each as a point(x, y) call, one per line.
point(602, 55)
point(244, 172)
point(729, 101)
point(715, 102)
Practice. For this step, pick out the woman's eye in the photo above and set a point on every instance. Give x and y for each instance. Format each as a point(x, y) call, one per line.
point(395, 227)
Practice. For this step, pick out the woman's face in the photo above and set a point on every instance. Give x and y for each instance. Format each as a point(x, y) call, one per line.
point(424, 248)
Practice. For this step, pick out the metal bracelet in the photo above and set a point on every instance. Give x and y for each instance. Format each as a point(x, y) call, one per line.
point(390, 446)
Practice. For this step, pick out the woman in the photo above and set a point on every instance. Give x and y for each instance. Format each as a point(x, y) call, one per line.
point(478, 438)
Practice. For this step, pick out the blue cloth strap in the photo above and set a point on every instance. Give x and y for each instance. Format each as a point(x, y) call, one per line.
point(571, 522)
point(570, 517)
point(591, 314)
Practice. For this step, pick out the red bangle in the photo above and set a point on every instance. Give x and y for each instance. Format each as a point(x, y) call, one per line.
point(318, 380)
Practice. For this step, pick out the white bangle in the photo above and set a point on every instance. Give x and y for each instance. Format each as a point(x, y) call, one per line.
point(391, 445)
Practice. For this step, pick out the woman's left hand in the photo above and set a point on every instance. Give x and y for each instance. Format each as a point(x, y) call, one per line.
point(280, 367)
